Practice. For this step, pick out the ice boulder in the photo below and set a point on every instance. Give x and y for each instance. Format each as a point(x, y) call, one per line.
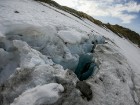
point(41, 95)
point(71, 36)
point(29, 57)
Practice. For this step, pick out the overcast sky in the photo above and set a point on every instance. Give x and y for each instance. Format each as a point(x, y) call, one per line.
point(122, 12)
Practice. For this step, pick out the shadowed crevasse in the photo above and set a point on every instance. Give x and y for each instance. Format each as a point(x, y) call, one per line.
point(86, 66)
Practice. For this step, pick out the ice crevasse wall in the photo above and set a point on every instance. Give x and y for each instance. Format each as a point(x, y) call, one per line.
point(63, 48)
point(30, 56)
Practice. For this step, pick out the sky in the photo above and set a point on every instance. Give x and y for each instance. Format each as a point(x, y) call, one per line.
point(123, 12)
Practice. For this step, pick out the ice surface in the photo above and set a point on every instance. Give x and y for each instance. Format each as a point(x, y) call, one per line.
point(40, 41)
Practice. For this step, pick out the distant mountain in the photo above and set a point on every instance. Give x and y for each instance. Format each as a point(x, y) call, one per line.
point(117, 29)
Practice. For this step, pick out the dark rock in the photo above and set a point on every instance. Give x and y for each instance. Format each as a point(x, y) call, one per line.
point(1, 69)
point(2, 87)
point(120, 62)
point(66, 43)
point(20, 35)
point(117, 93)
point(96, 81)
point(1, 99)
point(70, 95)
point(101, 79)
point(123, 80)
point(16, 11)
point(85, 89)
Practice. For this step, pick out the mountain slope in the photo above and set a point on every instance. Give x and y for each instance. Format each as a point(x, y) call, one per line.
point(41, 45)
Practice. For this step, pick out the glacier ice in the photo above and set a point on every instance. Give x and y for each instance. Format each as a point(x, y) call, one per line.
point(26, 64)
point(36, 63)
point(34, 52)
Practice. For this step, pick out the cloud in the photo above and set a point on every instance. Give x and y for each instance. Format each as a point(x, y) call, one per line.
point(125, 10)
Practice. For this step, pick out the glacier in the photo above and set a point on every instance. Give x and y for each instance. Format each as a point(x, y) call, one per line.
point(40, 48)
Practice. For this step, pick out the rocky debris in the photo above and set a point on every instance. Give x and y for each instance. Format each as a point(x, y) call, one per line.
point(71, 95)
point(84, 89)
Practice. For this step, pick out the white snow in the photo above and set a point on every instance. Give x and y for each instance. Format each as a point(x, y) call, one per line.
point(39, 95)
point(126, 48)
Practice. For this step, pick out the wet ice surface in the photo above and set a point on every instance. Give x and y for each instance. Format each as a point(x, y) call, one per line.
point(34, 53)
